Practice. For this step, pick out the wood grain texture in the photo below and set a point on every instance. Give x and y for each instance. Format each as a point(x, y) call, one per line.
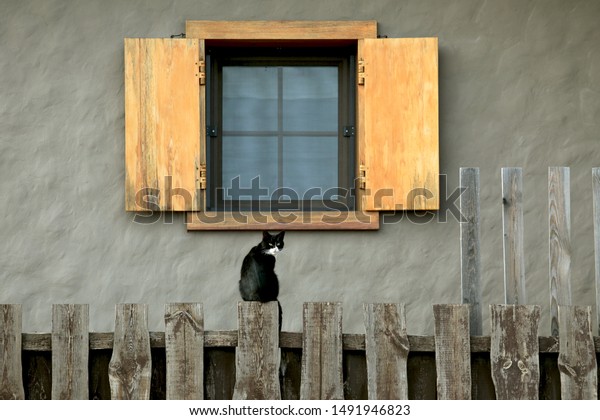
point(596, 200)
point(286, 221)
point(512, 228)
point(577, 357)
point(130, 366)
point(470, 247)
point(162, 124)
point(70, 352)
point(452, 352)
point(386, 351)
point(280, 30)
point(11, 371)
point(257, 354)
point(322, 377)
point(559, 226)
point(184, 347)
point(398, 130)
point(514, 351)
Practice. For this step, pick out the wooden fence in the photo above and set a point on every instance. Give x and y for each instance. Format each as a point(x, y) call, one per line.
point(258, 362)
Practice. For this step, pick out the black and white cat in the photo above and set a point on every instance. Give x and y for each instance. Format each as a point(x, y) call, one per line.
point(258, 281)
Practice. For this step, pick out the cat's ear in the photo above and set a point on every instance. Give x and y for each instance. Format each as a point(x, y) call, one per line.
point(280, 235)
point(266, 235)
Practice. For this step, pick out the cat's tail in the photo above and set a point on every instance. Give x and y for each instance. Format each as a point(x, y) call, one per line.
point(280, 315)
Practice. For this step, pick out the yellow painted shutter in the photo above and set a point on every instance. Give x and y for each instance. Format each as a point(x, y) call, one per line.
point(163, 129)
point(398, 123)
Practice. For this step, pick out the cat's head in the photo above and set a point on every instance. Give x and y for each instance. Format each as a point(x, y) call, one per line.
point(272, 244)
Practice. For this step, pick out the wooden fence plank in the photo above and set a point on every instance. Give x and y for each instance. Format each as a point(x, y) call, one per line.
point(452, 352)
point(184, 349)
point(70, 352)
point(322, 377)
point(559, 223)
point(257, 354)
point(11, 376)
point(470, 247)
point(386, 351)
point(130, 366)
point(512, 226)
point(514, 351)
point(596, 190)
point(577, 356)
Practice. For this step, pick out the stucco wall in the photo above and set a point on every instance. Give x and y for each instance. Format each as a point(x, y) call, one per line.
point(519, 86)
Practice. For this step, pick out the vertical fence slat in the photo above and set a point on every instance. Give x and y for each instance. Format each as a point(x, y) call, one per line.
point(11, 376)
point(184, 348)
point(257, 353)
point(70, 352)
point(130, 366)
point(512, 227)
point(577, 356)
point(452, 352)
point(559, 223)
point(321, 377)
point(386, 351)
point(596, 189)
point(514, 351)
point(470, 247)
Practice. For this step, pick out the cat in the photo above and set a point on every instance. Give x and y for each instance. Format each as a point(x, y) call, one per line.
point(258, 280)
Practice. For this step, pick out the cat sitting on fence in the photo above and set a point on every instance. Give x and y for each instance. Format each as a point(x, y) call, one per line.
point(258, 280)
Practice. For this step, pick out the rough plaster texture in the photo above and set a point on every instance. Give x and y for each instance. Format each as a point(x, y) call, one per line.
point(519, 86)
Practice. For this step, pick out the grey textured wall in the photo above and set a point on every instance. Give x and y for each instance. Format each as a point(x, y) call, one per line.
point(519, 86)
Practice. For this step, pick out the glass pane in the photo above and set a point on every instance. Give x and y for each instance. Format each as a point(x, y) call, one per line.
point(310, 98)
point(310, 162)
point(248, 158)
point(249, 98)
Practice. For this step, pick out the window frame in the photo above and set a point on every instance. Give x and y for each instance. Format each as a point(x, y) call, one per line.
point(397, 122)
point(343, 58)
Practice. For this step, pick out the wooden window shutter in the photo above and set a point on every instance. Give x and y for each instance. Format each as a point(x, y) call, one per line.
point(398, 135)
point(164, 124)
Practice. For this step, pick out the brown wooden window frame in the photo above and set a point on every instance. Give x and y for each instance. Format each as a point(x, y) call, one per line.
point(396, 122)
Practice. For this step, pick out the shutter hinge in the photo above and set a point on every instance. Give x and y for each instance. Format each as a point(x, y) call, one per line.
point(202, 178)
point(201, 72)
point(360, 78)
point(362, 177)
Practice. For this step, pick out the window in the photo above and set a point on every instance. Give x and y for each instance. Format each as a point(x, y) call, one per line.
point(248, 82)
point(281, 124)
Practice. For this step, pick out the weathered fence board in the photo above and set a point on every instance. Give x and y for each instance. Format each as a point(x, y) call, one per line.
point(512, 227)
point(452, 352)
point(470, 251)
point(130, 366)
point(596, 196)
point(70, 352)
point(257, 354)
point(559, 224)
point(322, 377)
point(577, 356)
point(386, 350)
point(184, 348)
point(514, 351)
point(11, 376)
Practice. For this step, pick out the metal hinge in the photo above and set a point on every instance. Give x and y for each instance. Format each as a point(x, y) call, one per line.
point(201, 72)
point(362, 177)
point(360, 78)
point(348, 131)
point(202, 177)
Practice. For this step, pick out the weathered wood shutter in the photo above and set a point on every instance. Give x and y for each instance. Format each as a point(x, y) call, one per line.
point(398, 124)
point(163, 110)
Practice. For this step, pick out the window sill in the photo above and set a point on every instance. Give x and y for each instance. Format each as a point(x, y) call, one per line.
point(333, 220)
